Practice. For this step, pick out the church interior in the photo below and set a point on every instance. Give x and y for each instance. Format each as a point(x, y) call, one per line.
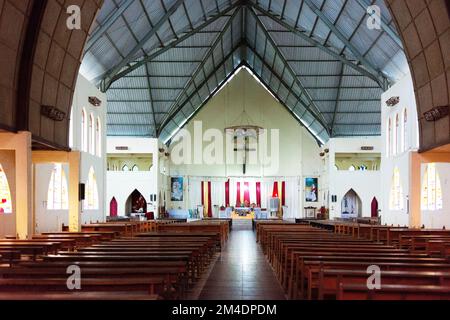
point(224, 150)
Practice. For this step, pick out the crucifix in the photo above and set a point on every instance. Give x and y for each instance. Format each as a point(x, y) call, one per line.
point(246, 148)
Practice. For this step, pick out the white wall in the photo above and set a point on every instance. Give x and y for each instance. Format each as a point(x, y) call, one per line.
point(367, 184)
point(298, 150)
point(52, 220)
point(121, 184)
point(439, 218)
point(47, 220)
point(405, 90)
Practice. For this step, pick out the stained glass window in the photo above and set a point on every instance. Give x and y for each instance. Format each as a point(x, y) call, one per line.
point(91, 202)
point(388, 138)
point(84, 133)
point(98, 133)
point(396, 195)
point(431, 189)
point(405, 130)
point(5, 194)
point(58, 195)
point(395, 136)
point(91, 135)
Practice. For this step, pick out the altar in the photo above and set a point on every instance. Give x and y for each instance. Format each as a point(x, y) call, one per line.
point(243, 211)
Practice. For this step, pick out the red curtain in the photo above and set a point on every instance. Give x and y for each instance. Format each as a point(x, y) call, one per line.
point(283, 193)
point(247, 193)
point(203, 193)
point(374, 207)
point(113, 208)
point(209, 200)
point(227, 193)
point(238, 194)
point(258, 194)
point(275, 190)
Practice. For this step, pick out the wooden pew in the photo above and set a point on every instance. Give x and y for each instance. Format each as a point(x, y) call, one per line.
point(78, 296)
point(31, 247)
point(103, 235)
point(172, 275)
point(218, 227)
point(10, 256)
point(393, 292)
point(148, 284)
point(305, 266)
point(329, 280)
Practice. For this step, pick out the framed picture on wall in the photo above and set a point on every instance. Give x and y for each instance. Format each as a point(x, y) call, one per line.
point(312, 190)
point(176, 189)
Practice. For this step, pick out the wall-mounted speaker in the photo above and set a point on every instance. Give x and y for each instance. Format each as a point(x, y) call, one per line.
point(334, 199)
point(82, 191)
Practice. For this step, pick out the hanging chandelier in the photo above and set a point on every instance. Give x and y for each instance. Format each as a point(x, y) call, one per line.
point(244, 126)
point(244, 131)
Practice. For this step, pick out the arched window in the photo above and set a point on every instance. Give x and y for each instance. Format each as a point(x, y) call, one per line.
point(352, 168)
point(91, 202)
point(125, 168)
point(396, 194)
point(395, 136)
point(98, 138)
point(431, 189)
point(84, 131)
point(135, 168)
point(336, 167)
point(71, 129)
point(388, 138)
point(405, 130)
point(57, 194)
point(91, 135)
point(363, 168)
point(5, 194)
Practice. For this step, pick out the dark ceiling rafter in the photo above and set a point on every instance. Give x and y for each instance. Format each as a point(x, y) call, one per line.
point(173, 44)
point(219, 87)
point(316, 112)
point(320, 88)
point(384, 25)
point(383, 83)
point(276, 94)
point(109, 21)
point(200, 68)
point(130, 56)
point(189, 98)
point(355, 52)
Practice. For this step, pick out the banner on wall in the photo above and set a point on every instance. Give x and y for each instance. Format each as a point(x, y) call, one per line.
point(176, 189)
point(206, 199)
point(312, 190)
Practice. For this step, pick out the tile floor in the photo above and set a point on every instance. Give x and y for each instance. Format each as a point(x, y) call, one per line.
point(242, 272)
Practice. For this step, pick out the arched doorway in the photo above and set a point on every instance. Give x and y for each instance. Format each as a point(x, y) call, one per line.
point(136, 203)
point(351, 205)
point(113, 208)
point(374, 208)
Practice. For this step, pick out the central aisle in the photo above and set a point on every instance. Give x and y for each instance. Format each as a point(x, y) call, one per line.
point(242, 272)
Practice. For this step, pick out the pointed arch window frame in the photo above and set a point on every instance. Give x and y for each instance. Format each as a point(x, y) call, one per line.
point(389, 138)
point(58, 191)
point(6, 205)
point(91, 134)
point(98, 137)
point(92, 200)
point(84, 131)
point(396, 201)
point(431, 192)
